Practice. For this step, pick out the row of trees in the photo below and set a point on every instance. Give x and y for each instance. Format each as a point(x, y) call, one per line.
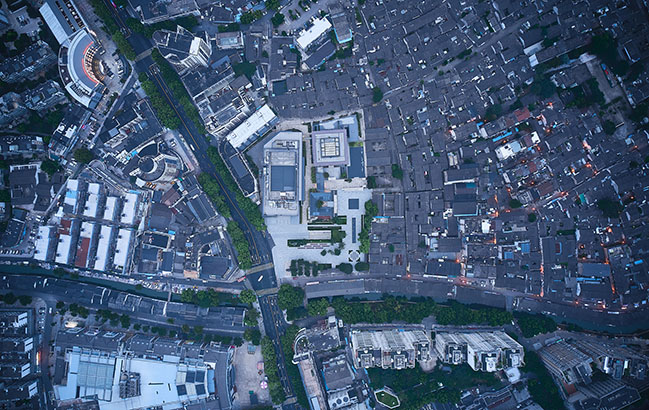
point(249, 208)
point(275, 388)
point(301, 267)
point(292, 370)
point(163, 110)
point(534, 324)
point(371, 211)
point(206, 298)
point(213, 190)
point(240, 244)
point(542, 388)
point(415, 310)
point(188, 22)
point(102, 11)
point(171, 78)
point(11, 299)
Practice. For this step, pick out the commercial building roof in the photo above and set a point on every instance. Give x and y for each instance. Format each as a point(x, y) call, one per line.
point(122, 248)
point(320, 26)
point(283, 178)
point(330, 147)
point(110, 208)
point(42, 243)
point(253, 127)
point(129, 208)
point(62, 17)
point(105, 239)
point(63, 249)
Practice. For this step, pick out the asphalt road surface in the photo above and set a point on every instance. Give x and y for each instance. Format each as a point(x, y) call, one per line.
point(222, 320)
point(275, 326)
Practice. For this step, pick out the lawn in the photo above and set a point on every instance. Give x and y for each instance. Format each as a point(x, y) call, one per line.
point(387, 399)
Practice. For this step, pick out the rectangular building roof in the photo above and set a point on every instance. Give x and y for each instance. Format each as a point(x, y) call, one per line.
point(63, 249)
point(320, 26)
point(92, 206)
point(105, 236)
point(62, 17)
point(122, 248)
point(129, 208)
point(42, 243)
point(252, 127)
point(110, 208)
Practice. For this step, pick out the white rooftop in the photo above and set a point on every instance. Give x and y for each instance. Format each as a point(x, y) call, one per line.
point(92, 205)
point(101, 260)
point(110, 208)
point(320, 26)
point(42, 243)
point(128, 210)
point(122, 248)
point(258, 120)
point(63, 249)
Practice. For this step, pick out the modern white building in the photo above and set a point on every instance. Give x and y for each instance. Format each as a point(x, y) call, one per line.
point(43, 243)
point(253, 127)
point(129, 208)
point(110, 209)
point(390, 349)
point(122, 249)
point(320, 27)
point(77, 52)
point(482, 350)
point(103, 248)
point(91, 207)
point(182, 49)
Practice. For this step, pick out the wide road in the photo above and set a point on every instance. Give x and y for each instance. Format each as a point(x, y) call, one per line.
point(220, 320)
point(275, 326)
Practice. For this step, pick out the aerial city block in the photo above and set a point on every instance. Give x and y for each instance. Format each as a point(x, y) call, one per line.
point(324, 204)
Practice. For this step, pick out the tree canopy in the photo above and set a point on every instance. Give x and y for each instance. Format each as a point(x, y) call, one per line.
point(84, 155)
point(290, 297)
point(247, 296)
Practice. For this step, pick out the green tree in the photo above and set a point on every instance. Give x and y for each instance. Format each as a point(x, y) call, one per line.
point(252, 317)
point(345, 267)
point(251, 16)
point(377, 94)
point(362, 266)
point(543, 86)
point(123, 45)
point(253, 335)
point(83, 155)
point(187, 296)
point(531, 217)
point(609, 127)
point(317, 307)
point(247, 296)
point(290, 297)
point(10, 298)
point(50, 167)
point(25, 300)
point(272, 5)
point(493, 112)
point(515, 203)
point(610, 208)
point(277, 19)
point(125, 321)
point(397, 172)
